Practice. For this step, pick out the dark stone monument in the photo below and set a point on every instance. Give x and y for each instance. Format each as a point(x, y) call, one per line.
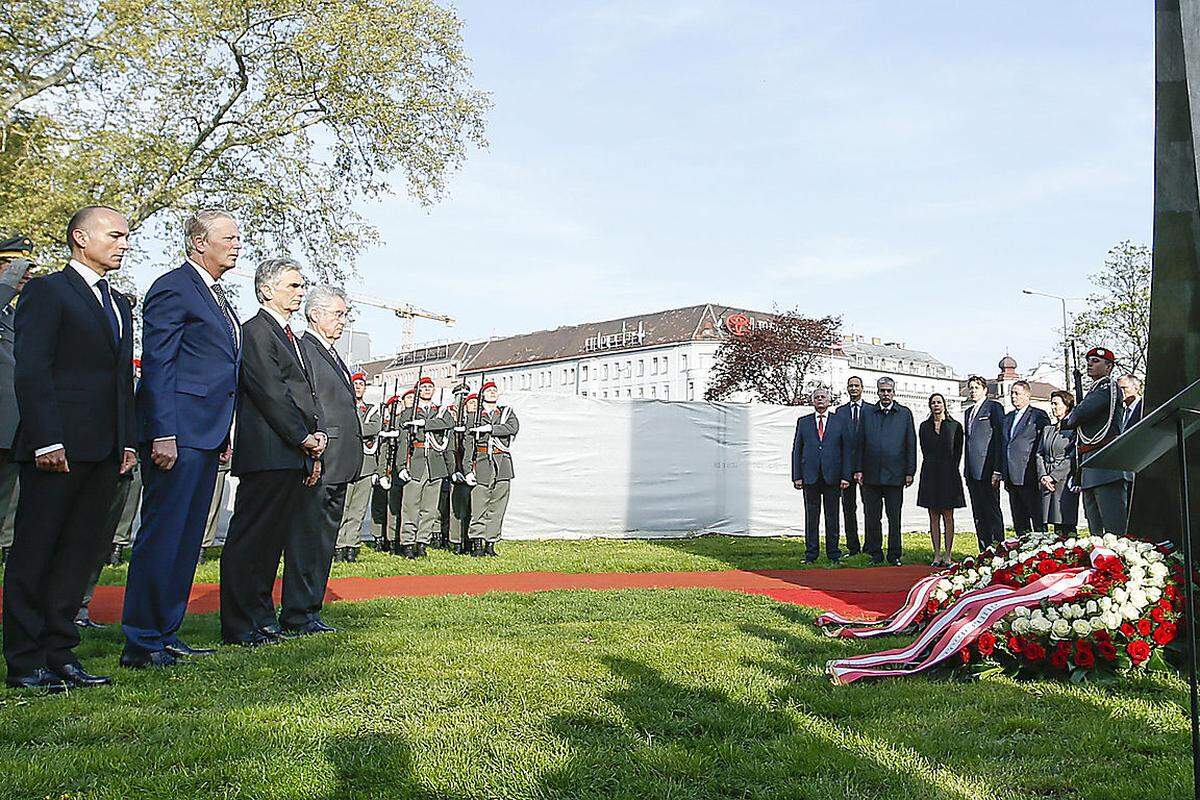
point(1174, 349)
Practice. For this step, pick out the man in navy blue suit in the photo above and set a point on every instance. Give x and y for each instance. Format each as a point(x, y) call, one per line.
point(821, 454)
point(74, 382)
point(190, 355)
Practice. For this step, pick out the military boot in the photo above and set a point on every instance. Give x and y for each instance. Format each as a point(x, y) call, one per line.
point(477, 548)
point(408, 551)
point(421, 550)
point(489, 549)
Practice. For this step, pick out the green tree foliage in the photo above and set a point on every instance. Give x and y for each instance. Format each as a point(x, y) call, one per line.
point(1117, 315)
point(775, 359)
point(286, 112)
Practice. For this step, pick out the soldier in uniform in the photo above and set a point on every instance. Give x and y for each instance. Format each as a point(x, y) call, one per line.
point(14, 274)
point(460, 492)
point(358, 493)
point(1097, 421)
point(389, 492)
point(423, 440)
point(488, 446)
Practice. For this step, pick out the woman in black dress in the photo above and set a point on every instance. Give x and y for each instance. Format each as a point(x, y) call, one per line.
point(941, 489)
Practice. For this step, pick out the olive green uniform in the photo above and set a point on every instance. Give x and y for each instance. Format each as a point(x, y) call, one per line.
point(426, 467)
point(358, 492)
point(493, 468)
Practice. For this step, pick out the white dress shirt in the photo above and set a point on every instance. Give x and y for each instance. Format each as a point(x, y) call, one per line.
point(1017, 421)
point(283, 323)
point(210, 282)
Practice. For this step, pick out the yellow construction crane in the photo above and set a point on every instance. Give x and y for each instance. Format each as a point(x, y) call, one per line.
point(405, 311)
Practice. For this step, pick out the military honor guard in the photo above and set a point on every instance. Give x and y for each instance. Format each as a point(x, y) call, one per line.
point(77, 435)
point(488, 444)
point(359, 490)
point(460, 492)
point(424, 441)
point(14, 274)
point(1096, 421)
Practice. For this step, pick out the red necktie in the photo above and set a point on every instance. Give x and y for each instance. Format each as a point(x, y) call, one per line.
point(821, 427)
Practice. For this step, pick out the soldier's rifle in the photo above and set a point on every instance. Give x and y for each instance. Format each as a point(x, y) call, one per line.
point(478, 422)
point(412, 435)
point(389, 425)
point(1077, 376)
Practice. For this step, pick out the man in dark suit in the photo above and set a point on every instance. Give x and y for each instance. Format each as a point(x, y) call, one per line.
point(822, 450)
point(308, 555)
point(983, 433)
point(74, 380)
point(277, 446)
point(1023, 428)
point(14, 274)
point(885, 462)
point(185, 402)
point(853, 410)
point(1131, 414)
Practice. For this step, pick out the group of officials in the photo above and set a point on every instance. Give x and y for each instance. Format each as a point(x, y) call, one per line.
point(304, 446)
point(1040, 459)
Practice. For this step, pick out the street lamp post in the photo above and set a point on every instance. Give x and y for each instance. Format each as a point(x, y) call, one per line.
point(1066, 346)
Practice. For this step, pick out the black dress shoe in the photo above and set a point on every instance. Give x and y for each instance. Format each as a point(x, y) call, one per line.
point(421, 553)
point(86, 622)
point(408, 551)
point(313, 626)
point(895, 562)
point(277, 633)
point(808, 560)
point(4, 554)
point(489, 549)
point(852, 553)
point(255, 639)
point(117, 556)
point(159, 658)
point(477, 548)
point(38, 679)
point(876, 562)
point(75, 675)
point(460, 548)
point(179, 650)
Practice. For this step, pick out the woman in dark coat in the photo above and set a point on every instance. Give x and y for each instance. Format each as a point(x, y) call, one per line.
point(1060, 505)
point(941, 489)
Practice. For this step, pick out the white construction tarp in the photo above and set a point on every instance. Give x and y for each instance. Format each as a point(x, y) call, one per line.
point(590, 467)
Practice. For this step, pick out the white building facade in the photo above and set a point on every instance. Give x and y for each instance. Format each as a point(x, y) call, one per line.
point(665, 355)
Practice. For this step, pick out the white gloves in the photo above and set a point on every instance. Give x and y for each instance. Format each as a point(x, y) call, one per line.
point(404, 476)
point(470, 479)
point(460, 428)
point(415, 423)
point(389, 434)
point(458, 477)
point(385, 482)
point(482, 429)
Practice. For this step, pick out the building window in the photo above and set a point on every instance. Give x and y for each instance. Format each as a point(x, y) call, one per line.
point(666, 392)
point(641, 367)
point(564, 378)
point(641, 392)
point(629, 392)
point(654, 391)
point(584, 393)
point(654, 366)
point(691, 395)
point(604, 394)
point(682, 363)
point(583, 372)
point(628, 369)
point(606, 372)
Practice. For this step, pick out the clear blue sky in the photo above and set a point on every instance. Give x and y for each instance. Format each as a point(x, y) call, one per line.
point(910, 166)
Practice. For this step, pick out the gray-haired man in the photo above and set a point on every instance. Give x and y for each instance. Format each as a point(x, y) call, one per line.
point(885, 465)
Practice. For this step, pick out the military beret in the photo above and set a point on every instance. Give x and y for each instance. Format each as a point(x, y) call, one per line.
point(410, 392)
point(359, 376)
point(425, 381)
point(16, 247)
point(471, 396)
point(1102, 352)
point(488, 385)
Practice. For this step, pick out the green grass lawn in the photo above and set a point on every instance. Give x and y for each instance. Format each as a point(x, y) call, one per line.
point(629, 694)
point(704, 553)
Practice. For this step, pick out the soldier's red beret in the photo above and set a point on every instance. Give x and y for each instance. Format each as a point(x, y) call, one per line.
point(488, 385)
point(470, 397)
point(426, 381)
point(358, 376)
point(1102, 352)
point(407, 393)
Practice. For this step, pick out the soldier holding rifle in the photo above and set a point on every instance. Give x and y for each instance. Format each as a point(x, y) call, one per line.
point(488, 442)
point(456, 456)
point(1097, 421)
point(426, 426)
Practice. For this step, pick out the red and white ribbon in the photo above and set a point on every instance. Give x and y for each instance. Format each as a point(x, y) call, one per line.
point(961, 623)
point(833, 624)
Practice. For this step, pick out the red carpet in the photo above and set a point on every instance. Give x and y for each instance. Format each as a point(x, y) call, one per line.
point(867, 592)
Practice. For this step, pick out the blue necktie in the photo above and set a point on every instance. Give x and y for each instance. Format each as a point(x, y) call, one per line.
point(106, 301)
